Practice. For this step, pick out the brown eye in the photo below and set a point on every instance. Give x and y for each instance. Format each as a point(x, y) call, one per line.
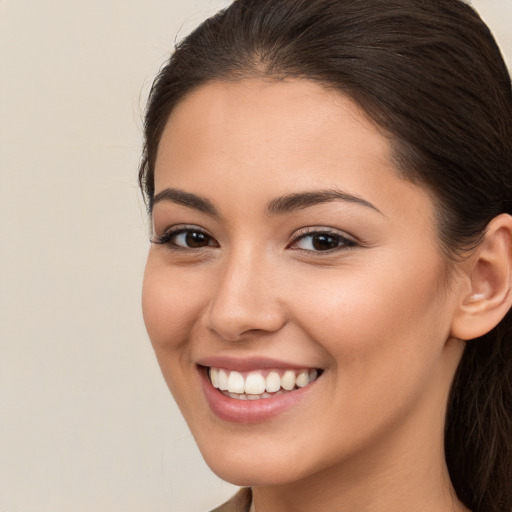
point(322, 241)
point(190, 239)
point(194, 239)
point(185, 238)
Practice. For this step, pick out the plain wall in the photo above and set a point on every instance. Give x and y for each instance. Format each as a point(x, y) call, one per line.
point(86, 421)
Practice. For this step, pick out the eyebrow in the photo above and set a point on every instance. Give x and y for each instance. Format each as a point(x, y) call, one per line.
point(194, 201)
point(302, 200)
point(284, 204)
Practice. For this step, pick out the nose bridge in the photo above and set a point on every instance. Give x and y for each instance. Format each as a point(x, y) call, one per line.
point(245, 298)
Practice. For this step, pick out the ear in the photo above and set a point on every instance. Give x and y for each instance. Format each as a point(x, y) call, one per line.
point(487, 294)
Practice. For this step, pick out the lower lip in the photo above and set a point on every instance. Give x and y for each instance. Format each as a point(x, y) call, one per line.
point(250, 411)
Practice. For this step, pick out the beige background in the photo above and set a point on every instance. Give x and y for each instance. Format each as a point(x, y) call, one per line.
point(86, 422)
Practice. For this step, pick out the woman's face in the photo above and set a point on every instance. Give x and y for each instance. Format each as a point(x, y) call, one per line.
point(288, 246)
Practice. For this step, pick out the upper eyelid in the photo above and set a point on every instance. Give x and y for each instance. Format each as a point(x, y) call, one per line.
point(313, 230)
point(309, 230)
point(176, 228)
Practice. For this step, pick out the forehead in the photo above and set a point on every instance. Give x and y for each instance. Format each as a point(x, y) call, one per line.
point(271, 125)
point(254, 139)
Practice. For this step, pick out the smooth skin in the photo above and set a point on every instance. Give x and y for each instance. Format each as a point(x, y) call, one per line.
point(373, 302)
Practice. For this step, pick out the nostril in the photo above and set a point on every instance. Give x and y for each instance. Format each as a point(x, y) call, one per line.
point(244, 302)
point(240, 323)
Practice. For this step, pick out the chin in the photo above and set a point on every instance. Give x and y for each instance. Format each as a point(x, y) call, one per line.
point(249, 473)
point(254, 465)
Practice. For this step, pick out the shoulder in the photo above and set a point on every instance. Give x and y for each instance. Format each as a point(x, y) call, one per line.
point(240, 502)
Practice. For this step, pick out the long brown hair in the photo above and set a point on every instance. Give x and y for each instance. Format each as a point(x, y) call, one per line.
point(430, 74)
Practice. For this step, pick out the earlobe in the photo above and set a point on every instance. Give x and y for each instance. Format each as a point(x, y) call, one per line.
point(486, 300)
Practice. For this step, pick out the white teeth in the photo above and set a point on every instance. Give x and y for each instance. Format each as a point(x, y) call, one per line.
point(273, 382)
point(214, 377)
point(288, 380)
point(254, 386)
point(236, 382)
point(302, 379)
point(222, 380)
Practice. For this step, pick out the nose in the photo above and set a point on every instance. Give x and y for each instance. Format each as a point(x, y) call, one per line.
point(245, 300)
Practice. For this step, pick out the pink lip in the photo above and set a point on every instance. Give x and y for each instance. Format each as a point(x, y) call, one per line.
point(249, 411)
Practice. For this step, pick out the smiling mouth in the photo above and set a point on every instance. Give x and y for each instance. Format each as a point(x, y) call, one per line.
point(260, 384)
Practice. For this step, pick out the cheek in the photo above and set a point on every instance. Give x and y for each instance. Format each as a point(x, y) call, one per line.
point(170, 305)
point(384, 315)
point(383, 335)
point(171, 308)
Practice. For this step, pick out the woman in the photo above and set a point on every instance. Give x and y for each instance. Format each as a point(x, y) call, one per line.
point(328, 291)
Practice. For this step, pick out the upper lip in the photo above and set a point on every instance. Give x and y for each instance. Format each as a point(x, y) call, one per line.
point(249, 363)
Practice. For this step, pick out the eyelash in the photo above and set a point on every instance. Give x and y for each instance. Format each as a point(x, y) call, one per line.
point(166, 238)
point(342, 241)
